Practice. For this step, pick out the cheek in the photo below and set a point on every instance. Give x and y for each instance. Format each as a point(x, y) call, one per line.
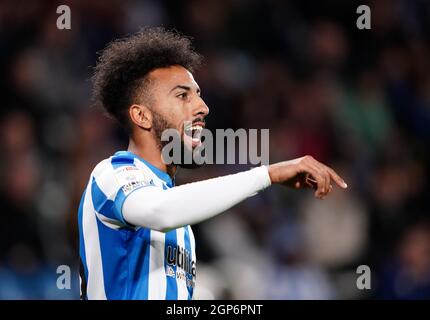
point(179, 113)
point(169, 110)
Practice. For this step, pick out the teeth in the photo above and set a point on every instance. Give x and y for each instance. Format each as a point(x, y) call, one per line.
point(196, 127)
point(194, 132)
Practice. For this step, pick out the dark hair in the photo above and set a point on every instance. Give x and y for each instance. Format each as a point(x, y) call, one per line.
point(123, 65)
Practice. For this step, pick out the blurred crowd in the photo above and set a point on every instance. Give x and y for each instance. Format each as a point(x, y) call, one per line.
point(358, 100)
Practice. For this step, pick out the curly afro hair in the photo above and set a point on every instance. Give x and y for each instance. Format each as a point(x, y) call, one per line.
point(123, 65)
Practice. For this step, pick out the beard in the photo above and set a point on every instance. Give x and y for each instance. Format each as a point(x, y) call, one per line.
point(160, 124)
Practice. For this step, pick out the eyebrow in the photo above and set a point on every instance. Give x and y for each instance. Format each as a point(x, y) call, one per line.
point(187, 88)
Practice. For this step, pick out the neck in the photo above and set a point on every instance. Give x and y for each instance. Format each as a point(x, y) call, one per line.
point(150, 151)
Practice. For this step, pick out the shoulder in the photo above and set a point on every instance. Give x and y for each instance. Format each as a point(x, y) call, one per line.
point(118, 162)
point(123, 169)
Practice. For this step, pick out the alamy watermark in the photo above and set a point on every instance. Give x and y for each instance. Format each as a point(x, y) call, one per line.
point(364, 20)
point(64, 278)
point(364, 281)
point(64, 20)
point(197, 145)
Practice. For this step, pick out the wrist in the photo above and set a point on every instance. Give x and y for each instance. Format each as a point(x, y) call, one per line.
point(270, 172)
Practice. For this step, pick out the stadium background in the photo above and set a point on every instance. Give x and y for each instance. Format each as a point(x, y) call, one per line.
point(358, 100)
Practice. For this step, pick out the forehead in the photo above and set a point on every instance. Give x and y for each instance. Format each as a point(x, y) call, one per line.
point(172, 76)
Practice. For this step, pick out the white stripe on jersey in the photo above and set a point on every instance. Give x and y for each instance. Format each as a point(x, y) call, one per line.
point(182, 285)
point(157, 274)
point(95, 283)
point(106, 180)
point(108, 222)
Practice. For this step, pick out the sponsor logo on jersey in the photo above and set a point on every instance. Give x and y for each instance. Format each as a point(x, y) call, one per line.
point(181, 258)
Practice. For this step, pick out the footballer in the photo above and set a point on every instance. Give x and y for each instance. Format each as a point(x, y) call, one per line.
point(135, 239)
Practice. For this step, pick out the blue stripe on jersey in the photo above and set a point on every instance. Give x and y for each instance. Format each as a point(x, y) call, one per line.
point(105, 206)
point(138, 257)
point(101, 203)
point(114, 260)
point(82, 253)
point(188, 248)
point(121, 159)
point(118, 202)
point(172, 286)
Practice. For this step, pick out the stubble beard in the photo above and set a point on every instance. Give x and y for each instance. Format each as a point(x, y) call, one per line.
point(160, 124)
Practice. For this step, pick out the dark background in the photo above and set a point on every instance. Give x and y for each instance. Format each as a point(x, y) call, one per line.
point(357, 100)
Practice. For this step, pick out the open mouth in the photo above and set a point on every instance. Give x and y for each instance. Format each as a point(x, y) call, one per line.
point(195, 133)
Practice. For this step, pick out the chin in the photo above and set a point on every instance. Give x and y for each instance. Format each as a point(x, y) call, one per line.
point(189, 150)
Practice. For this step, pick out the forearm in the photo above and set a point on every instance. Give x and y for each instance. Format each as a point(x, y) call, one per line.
point(191, 203)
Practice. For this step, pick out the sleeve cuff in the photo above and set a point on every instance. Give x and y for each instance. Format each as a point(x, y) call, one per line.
point(262, 173)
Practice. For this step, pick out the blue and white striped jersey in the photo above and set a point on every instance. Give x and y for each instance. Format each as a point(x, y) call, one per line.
point(121, 261)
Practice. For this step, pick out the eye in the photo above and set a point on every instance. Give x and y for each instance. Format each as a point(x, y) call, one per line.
point(182, 95)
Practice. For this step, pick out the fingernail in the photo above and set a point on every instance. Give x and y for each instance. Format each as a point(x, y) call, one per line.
point(345, 185)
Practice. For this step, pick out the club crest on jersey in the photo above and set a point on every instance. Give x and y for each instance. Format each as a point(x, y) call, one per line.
point(132, 178)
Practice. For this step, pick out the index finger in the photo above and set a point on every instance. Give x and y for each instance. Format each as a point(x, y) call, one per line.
point(339, 181)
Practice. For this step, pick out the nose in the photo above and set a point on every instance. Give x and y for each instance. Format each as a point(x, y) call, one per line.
point(202, 109)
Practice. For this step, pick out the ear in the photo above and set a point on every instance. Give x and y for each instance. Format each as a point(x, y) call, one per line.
point(141, 116)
